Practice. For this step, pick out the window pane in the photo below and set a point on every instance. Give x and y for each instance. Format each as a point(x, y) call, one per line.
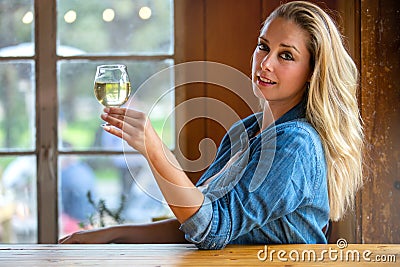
point(17, 105)
point(107, 178)
point(16, 28)
point(18, 217)
point(79, 111)
point(116, 27)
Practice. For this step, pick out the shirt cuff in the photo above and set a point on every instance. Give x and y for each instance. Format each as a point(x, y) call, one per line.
point(198, 226)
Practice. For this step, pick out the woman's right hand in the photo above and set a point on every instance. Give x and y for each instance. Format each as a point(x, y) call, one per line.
point(97, 236)
point(134, 127)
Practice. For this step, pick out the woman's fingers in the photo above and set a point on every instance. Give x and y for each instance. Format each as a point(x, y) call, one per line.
point(111, 119)
point(112, 110)
point(130, 125)
point(112, 130)
point(125, 112)
point(126, 124)
point(61, 240)
point(68, 240)
point(120, 116)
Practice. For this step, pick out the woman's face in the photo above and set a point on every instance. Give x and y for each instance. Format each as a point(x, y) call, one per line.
point(281, 63)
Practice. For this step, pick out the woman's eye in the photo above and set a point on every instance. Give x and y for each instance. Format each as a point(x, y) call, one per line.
point(262, 47)
point(287, 56)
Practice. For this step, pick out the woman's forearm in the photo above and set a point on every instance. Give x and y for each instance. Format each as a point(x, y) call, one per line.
point(166, 231)
point(181, 194)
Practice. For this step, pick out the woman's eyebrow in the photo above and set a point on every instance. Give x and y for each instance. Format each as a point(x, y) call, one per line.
point(282, 44)
point(290, 46)
point(262, 38)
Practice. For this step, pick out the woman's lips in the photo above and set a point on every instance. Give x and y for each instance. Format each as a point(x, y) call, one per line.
point(265, 81)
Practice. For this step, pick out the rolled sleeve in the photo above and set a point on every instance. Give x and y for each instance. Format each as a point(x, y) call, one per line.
point(201, 228)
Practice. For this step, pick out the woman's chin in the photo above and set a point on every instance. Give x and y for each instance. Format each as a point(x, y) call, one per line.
point(257, 92)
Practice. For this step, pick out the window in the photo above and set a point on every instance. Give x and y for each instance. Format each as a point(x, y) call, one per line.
point(58, 168)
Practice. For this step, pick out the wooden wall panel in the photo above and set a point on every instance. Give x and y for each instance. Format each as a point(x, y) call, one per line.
point(380, 46)
point(190, 45)
point(232, 29)
point(222, 31)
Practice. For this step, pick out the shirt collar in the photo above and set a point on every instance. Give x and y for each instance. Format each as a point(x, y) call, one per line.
point(297, 112)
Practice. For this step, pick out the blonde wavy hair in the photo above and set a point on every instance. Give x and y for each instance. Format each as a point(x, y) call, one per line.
point(332, 102)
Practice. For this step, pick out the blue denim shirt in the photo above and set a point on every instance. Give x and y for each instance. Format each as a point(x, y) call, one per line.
point(273, 192)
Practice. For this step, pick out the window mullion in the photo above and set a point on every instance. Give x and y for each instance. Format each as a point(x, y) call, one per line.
point(46, 119)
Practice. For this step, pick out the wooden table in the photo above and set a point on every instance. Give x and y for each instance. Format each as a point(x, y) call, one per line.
point(188, 255)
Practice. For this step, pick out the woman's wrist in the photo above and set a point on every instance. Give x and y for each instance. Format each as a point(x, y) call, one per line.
point(116, 234)
point(155, 151)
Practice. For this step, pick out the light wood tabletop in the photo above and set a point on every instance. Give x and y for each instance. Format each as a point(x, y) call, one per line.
point(189, 255)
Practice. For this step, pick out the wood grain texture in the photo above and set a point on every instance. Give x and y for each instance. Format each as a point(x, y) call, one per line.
point(189, 46)
point(224, 32)
point(232, 28)
point(188, 255)
point(380, 73)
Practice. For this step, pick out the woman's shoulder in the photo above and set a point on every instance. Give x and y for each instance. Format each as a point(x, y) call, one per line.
point(250, 124)
point(255, 118)
point(297, 141)
point(297, 126)
point(297, 134)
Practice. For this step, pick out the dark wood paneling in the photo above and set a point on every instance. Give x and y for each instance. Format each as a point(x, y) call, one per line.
point(222, 31)
point(189, 46)
point(380, 46)
point(232, 28)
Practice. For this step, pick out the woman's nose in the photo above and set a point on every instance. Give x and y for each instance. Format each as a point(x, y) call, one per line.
point(266, 63)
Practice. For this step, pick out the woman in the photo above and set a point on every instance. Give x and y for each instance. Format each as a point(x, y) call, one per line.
point(304, 76)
